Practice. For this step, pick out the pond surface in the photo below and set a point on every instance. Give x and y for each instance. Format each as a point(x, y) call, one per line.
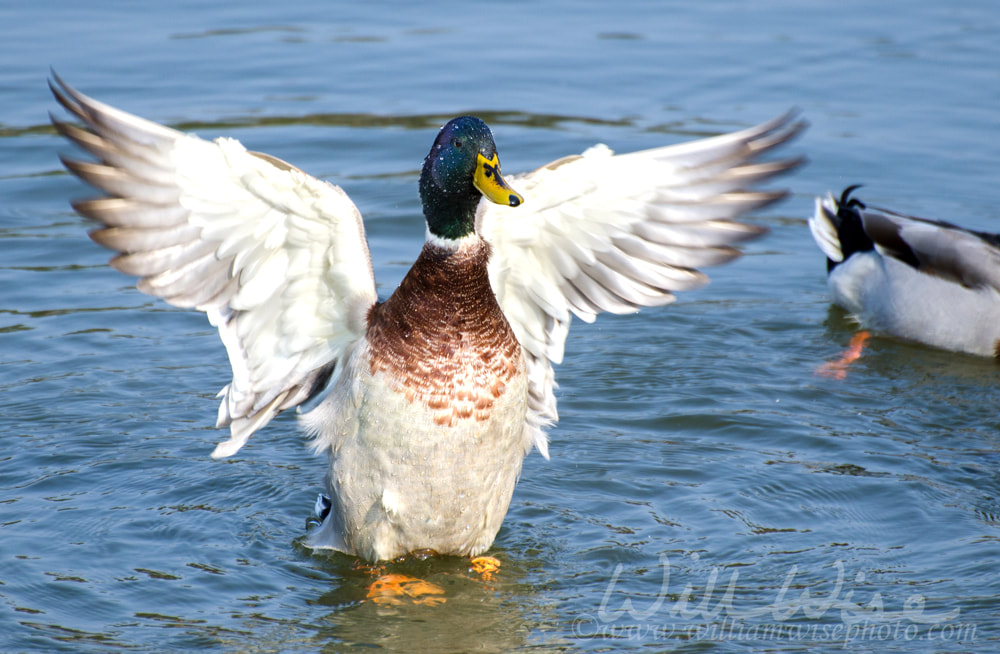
point(707, 490)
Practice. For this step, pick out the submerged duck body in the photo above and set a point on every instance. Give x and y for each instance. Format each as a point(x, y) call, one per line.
point(917, 279)
point(428, 402)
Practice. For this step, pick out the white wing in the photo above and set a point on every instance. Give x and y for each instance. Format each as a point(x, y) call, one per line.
point(599, 232)
point(276, 258)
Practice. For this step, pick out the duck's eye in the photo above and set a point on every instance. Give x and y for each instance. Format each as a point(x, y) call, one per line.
point(457, 143)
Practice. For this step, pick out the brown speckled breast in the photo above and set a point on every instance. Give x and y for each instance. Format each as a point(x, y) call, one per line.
point(441, 338)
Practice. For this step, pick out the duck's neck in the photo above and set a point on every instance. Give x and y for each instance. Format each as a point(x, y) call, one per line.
point(448, 215)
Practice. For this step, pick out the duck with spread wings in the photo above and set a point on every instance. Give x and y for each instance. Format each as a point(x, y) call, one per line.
point(428, 402)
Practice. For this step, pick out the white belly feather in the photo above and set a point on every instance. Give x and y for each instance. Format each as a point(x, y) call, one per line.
point(400, 482)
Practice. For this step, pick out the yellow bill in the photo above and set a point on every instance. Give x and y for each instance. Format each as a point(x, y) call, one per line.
point(491, 184)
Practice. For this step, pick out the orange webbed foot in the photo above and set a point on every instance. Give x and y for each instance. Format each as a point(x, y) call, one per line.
point(397, 589)
point(838, 369)
point(485, 566)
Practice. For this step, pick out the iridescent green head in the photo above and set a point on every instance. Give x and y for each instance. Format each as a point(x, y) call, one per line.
point(461, 167)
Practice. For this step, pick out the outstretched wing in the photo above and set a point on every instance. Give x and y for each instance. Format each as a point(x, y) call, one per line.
point(604, 232)
point(276, 258)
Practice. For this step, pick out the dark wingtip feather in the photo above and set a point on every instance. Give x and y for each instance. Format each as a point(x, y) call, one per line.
point(779, 131)
point(83, 138)
point(795, 128)
point(64, 95)
point(796, 162)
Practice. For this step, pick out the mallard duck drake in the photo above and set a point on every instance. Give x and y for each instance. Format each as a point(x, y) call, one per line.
point(917, 279)
point(428, 402)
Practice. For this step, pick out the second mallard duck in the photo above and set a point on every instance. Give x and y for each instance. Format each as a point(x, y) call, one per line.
point(428, 402)
point(917, 279)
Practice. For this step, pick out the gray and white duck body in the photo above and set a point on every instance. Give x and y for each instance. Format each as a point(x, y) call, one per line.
point(922, 280)
point(428, 402)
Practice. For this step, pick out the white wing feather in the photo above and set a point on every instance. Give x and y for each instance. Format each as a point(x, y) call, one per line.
point(600, 232)
point(276, 259)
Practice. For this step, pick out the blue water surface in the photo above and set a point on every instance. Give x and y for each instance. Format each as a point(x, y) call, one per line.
point(707, 490)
